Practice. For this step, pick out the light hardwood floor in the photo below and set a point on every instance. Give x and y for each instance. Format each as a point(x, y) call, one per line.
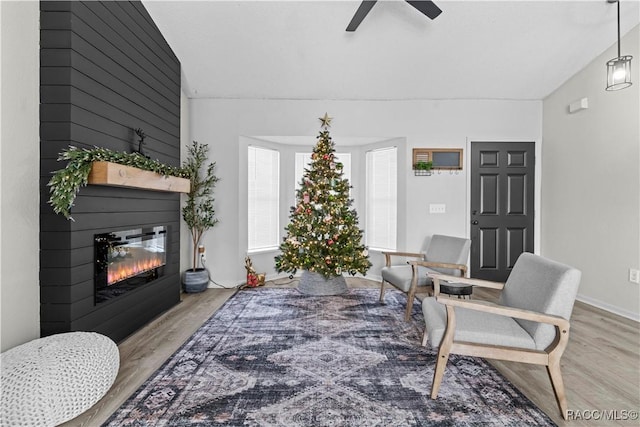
point(601, 366)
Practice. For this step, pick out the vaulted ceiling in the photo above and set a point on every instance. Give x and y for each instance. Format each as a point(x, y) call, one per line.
point(300, 49)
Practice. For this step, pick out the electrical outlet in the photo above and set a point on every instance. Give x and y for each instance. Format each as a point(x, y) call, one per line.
point(634, 275)
point(437, 208)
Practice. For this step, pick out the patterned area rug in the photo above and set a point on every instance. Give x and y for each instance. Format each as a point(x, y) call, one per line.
point(275, 357)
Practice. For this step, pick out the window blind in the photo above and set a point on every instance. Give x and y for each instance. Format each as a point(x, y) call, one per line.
point(381, 198)
point(263, 191)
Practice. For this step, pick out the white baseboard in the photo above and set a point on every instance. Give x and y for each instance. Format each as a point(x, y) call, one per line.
point(277, 276)
point(609, 307)
point(220, 284)
point(230, 283)
point(375, 278)
point(587, 300)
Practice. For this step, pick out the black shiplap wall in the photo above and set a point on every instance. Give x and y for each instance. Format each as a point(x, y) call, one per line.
point(105, 69)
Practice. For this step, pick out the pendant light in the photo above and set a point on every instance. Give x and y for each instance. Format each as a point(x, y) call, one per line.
point(618, 69)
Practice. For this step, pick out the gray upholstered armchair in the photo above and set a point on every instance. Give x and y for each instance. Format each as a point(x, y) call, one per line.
point(530, 324)
point(445, 254)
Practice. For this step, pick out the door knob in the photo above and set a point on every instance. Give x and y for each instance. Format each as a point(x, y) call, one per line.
point(474, 222)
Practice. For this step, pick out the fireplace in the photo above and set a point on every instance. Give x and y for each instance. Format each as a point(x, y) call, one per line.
point(126, 260)
point(71, 297)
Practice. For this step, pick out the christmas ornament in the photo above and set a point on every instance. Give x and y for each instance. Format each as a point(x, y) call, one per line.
point(326, 121)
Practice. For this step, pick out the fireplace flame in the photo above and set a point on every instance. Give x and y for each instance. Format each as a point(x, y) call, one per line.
point(130, 268)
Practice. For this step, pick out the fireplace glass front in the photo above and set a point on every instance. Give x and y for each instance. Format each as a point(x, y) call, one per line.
point(128, 259)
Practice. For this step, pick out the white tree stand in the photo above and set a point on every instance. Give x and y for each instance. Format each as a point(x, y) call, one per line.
point(316, 284)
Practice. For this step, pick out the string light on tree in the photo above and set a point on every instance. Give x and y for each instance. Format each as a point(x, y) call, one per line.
point(323, 234)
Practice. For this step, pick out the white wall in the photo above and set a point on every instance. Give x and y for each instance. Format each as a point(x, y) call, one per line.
point(185, 140)
point(591, 182)
point(221, 123)
point(19, 174)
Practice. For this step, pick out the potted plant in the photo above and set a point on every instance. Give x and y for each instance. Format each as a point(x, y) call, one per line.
point(198, 212)
point(422, 168)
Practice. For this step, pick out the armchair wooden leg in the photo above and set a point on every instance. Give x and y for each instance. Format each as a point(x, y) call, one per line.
point(443, 352)
point(425, 337)
point(558, 386)
point(410, 297)
point(382, 291)
point(407, 312)
point(438, 373)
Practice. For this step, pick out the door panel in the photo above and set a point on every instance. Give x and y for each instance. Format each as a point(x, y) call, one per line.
point(516, 244)
point(516, 158)
point(489, 196)
point(489, 158)
point(516, 193)
point(489, 245)
point(502, 210)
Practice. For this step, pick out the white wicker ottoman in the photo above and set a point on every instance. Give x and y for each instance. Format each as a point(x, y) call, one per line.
point(51, 380)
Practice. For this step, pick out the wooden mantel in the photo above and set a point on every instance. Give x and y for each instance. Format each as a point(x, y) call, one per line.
point(116, 175)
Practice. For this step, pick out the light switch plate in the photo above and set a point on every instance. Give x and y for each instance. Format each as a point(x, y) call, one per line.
point(437, 208)
point(634, 275)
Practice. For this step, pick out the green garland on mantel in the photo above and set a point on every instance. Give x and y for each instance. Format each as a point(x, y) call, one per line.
point(65, 183)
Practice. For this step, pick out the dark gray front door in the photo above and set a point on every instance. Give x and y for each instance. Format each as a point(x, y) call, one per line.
point(502, 206)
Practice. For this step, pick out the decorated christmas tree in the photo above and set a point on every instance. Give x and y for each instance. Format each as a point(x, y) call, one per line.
point(323, 235)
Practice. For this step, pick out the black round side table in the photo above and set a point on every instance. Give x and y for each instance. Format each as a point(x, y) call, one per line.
point(458, 289)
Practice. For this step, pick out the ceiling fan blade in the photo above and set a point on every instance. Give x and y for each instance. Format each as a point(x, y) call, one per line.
point(362, 11)
point(428, 8)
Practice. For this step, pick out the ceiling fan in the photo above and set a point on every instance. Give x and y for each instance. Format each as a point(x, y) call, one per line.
point(427, 7)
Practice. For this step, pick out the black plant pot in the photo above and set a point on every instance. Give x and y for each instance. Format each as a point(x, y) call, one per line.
point(194, 281)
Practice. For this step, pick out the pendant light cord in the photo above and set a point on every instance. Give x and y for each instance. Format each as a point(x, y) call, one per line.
point(618, 28)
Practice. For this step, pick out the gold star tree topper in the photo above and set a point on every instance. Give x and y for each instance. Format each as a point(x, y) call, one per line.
point(326, 121)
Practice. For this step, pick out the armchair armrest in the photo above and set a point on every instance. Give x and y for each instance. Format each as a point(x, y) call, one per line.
point(467, 280)
point(433, 264)
point(501, 310)
point(388, 255)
